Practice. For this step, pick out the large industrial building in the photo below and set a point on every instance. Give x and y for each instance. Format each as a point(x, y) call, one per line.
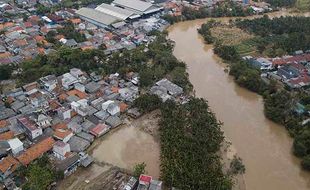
point(117, 13)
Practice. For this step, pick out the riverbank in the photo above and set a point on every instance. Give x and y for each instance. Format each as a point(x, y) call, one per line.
point(263, 145)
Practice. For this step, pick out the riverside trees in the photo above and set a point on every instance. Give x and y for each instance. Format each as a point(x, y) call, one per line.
point(190, 140)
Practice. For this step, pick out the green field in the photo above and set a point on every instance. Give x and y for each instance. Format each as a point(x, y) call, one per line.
point(246, 47)
point(303, 5)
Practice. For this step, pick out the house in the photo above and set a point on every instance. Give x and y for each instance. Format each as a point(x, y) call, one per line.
point(64, 113)
point(31, 129)
point(131, 184)
point(102, 115)
point(6, 135)
point(4, 148)
point(80, 87)
point(78, 144)
point(60, 149)
point(92, 87)
point(68, 165)
point(82, 108)
point(68, 81)
point(40, 102)
point(173, 89)
point(41, 120)
point(36, 151)
point(30, 86)
point(74, 126)
point(87, 125)
point(48, 82)
point(16, 146)
point(86, 136)
point(85, 159)
point(144, 182)
point(114, 109)
point(63, 134)
point(7, 166)
point(113, 121)
point(155, 185)
point(100, 130)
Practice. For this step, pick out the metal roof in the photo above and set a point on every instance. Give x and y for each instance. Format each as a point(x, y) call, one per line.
point(133, 4)
point(115, 11)
point(97, 16)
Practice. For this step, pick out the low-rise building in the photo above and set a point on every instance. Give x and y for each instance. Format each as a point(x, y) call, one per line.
point(60, 149)
point(16, 146)
point(31, 129)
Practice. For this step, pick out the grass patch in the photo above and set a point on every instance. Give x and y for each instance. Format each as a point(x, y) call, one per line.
point(303, 5)
point(228, 35)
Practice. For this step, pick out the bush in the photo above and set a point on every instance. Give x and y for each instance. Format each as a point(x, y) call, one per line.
point(146, 103)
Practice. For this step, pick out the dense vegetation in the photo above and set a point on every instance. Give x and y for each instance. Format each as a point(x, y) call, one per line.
point(5, 72)
point(279, 36)
point(281, 3)
point(223, 9)
point(147, 103)
point(69, 32)
point(39, 174)
point(247, 76)
point(190, 140)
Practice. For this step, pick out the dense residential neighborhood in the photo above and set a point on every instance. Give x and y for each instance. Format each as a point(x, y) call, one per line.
point(63, 115)
point(75, 74)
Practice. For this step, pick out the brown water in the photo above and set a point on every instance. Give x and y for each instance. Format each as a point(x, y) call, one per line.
point(264, 146)
point(129, 146)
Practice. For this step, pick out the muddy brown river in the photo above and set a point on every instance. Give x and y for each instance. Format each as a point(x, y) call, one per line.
point(264, 146)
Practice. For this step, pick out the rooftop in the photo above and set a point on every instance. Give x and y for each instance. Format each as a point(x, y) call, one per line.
point(8, 163)
point(36, 151)
point(97, 16)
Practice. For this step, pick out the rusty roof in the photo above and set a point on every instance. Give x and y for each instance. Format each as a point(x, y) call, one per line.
point(36, 151)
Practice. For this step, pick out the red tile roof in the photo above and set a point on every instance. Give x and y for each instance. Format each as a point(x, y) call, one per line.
point(77, 93)
point(123, 106)
point(3, 123)
point(8, 163)
point(6, 136)
point(62, 133)
point(99, 129)
point(36, 151)
point(60, 126)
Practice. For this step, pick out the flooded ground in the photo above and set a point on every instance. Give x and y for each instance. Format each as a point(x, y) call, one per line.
point(128, 146)
point(264, 146)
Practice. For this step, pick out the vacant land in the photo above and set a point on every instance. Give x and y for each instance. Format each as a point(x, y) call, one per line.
point(230, 35)
point(233, 36)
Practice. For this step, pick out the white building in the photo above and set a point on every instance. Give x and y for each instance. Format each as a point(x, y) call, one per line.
point(16, 146)
point(60, 149)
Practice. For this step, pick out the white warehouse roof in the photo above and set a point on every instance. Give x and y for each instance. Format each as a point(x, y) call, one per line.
point(140, 7)
point(116, 11)
point(97, 16)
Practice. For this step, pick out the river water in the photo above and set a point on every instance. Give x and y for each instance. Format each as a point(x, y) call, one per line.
point(264, 146)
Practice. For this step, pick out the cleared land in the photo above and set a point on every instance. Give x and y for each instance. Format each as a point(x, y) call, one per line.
point(234, 36)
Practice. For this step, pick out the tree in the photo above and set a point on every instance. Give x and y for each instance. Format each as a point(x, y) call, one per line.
point(147, 103)
point(236, 166)
point(5, 72)
point(39, 174)
point(190, 139)
point(278, 106)
point(306, 162)
point(139, 169)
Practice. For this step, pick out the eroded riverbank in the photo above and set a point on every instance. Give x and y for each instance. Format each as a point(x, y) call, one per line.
point(264, 146)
